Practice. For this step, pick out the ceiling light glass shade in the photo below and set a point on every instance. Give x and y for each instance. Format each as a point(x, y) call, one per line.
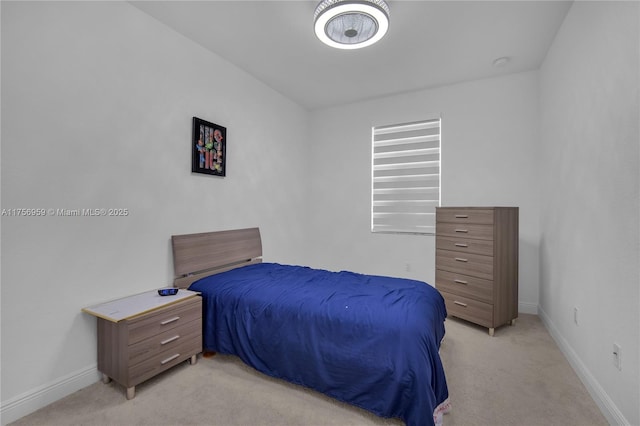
point(351, 24)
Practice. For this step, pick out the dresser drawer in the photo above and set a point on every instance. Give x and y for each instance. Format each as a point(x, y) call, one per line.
point(161, 361)
point(465, 245)
point(468, 230)
point(464, 285)
point(468, 309)
point(481, 216)
point(170, 339)
point(168, 318)
point(474, 265)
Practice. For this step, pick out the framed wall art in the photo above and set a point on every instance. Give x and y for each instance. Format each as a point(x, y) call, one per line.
point(209, 148)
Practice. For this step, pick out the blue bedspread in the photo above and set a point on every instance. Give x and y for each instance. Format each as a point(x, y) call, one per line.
point(370, 341)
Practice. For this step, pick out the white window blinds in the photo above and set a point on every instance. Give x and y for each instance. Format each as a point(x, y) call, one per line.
point(405, 177)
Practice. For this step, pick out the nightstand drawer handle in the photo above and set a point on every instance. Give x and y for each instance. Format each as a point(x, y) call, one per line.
point(171, 358)
point(464, 231)
point(462, 216)
point(460, 259)
point(464, 305)
point(170, 339)
point(460, 281)
point(462, 245)
point(169, 321)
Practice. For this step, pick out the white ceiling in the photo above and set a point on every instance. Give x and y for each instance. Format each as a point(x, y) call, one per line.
point(429, 44)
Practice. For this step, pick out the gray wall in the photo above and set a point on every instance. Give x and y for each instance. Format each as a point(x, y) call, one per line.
point(590, 238)
point(489, 158)
point(97, 101)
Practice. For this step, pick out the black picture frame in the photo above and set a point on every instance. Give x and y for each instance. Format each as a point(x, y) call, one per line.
point(209, 148)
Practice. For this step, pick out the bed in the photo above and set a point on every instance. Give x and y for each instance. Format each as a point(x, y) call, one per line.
point(369, 341)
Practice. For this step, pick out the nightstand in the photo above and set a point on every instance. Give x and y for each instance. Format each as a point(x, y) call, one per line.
point(145, 334)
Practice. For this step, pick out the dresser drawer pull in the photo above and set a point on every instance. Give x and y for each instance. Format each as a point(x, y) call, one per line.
point(462, 245)
point(170, 339)
point(462, 231)
point(460, 281)
point(462, 216)
point(460, 259)
point(464, 305)
point(171, 358)
point(169, 321)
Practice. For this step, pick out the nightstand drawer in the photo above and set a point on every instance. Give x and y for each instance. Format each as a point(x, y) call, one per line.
point(167, 340)
point(465, 245)
point(481, 216)
point(474, 265)
point(464, 285)
point(468, 309)
point(161, 361)
point(173, 316)
point(462, 230)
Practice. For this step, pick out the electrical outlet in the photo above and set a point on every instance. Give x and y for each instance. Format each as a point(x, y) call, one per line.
point(617, 356)
point(575, 315)
point(407, 266)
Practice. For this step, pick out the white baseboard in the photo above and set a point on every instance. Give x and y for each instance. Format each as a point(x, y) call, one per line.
point(528, 308)
point(601, 398)
point(33, 400)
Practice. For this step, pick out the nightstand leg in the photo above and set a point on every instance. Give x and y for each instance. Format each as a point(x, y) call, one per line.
point(491, 331)
point(131, 392)
point(105, 378)
point(512, 322)
point(193, 359)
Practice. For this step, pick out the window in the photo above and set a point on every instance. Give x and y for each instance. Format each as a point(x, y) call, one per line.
point(405, 183)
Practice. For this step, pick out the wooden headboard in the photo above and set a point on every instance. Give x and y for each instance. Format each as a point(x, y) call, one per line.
point(198, 255)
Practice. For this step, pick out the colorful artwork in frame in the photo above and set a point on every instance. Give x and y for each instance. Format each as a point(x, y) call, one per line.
point(209, 151)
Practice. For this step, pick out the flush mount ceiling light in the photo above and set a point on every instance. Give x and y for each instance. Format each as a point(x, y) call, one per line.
point(351, 24)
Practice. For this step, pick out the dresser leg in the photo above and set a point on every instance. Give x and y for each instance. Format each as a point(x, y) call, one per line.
point(131, 392)
point(105, 378)
point(193, 359)
point(491, 331)
point(512, 322)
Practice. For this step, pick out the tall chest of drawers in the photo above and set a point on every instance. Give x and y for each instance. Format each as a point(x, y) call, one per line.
point(477, 263)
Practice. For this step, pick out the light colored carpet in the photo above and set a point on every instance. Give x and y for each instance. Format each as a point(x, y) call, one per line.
point(518, 377)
